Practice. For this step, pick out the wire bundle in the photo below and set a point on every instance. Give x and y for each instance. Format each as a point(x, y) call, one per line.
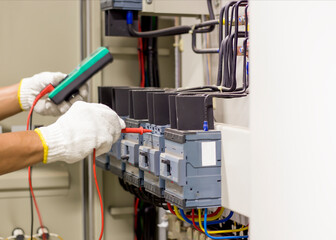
point(148, 53)
point(211, 219)
point(143, 195)
point(145, 220)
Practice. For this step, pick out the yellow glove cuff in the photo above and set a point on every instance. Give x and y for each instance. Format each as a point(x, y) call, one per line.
point(44, 143)
point(19, 97)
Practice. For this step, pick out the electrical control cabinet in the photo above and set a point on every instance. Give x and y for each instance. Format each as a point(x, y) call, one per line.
point(191, 166)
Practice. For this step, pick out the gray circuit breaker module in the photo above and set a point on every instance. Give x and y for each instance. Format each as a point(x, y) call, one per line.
point(130, 153)
point(149, 159)
point(191, 166)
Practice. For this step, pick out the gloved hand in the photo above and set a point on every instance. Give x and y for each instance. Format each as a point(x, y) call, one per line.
point(75, 134)
point(31, 87)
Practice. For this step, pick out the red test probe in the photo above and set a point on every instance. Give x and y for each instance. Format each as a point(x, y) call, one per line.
point(139, 130)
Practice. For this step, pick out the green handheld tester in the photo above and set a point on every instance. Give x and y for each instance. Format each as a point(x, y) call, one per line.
point(77, 78)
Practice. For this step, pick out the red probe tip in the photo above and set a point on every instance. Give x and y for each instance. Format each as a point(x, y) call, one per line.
point(139, 130)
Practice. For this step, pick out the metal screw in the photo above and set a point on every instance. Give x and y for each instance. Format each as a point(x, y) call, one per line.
point(149, 1)
point(217, 3)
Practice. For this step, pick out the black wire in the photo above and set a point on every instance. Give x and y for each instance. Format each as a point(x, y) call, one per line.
point(155, 55)
point(159, 33)
point(150, 57)
point(210, 87)
point(235, 43)
point(194, 41)
point(177, 30)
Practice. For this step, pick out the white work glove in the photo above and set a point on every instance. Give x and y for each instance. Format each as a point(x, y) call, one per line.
point(31, 87)
point(75, 134)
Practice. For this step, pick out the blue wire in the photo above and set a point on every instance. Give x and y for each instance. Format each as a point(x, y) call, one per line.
point(209, 223)
point(206, 230)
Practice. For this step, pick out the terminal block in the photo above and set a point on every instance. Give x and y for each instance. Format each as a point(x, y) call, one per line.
point(149, 159)
point(191, 166)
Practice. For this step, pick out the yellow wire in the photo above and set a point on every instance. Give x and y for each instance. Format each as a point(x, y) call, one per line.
point(59, 237)
point(218, 215)
point(56, 236)
point(177, 212)
point(220, 231)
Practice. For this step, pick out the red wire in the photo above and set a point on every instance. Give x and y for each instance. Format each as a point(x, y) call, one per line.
point(170, 208)
point(46, 90)
point(140, 61)
point(210, 215)
point(35, 202)
point(190, 216)
point(100, 198)
point(136, 205)
point(193, 220)
point(141, 58)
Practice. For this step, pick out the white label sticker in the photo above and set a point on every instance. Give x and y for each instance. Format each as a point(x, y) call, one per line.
point(208, 153)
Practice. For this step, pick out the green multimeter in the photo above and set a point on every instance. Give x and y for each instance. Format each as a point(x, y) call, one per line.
point(78, 77)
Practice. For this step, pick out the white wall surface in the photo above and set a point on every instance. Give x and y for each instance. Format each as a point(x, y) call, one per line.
point(293, 120)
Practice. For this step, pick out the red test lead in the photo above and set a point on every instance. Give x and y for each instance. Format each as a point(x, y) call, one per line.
point(139, 130)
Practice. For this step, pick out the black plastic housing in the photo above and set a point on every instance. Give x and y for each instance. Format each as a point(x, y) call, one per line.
point(105, 96)
point(161, 108)
point(121, 98)
point(116, 23)
point(172, 111)
point(190, 112)
point(138, 103)
point(117, 98)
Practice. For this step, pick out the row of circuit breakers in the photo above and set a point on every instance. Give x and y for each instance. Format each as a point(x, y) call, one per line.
point(178, 161)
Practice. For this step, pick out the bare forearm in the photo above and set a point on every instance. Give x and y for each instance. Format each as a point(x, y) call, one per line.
point(9, 103)
point(19, 150)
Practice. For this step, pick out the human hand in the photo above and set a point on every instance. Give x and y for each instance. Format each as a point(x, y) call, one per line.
point(30, 87)
point(75, 134)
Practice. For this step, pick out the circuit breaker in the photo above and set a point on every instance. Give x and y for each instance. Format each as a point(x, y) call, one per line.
point(191, 166)
point(130, 153)
point(138, 117)
point(154, 143)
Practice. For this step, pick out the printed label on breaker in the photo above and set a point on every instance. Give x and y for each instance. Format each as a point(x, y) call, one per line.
point(208, 153)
